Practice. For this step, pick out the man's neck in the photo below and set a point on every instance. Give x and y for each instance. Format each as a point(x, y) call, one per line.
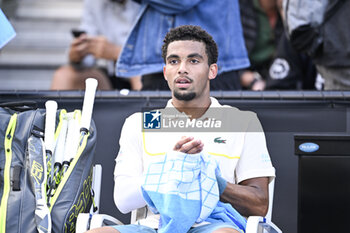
point(194, 108)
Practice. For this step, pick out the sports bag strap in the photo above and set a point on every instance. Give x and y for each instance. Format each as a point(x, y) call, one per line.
point(38, 172)
point(20, 105)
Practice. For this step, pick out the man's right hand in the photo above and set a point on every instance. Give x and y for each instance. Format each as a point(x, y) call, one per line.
point(78, 48)
point(189, 145)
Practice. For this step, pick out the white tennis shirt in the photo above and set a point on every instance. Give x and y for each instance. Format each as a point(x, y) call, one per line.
point(239, 147)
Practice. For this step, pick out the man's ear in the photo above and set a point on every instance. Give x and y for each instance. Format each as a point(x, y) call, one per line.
point(164, 69)
point(213, 71)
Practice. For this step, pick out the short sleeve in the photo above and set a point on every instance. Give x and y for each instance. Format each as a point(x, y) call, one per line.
point(255, 159)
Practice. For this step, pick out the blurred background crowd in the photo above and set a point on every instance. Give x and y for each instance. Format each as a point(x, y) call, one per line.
point(60, 43)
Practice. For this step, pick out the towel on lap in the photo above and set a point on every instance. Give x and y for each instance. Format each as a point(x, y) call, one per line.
point(183, 189)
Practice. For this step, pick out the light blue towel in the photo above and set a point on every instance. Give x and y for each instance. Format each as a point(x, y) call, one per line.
point(183, 189)
point(7, 32)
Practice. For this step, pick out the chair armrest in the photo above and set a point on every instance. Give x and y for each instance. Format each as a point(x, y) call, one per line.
point(83, 223)
point(99, 220)
point(256, 223)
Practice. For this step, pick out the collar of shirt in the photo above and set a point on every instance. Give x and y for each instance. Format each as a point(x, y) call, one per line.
point(214, 104)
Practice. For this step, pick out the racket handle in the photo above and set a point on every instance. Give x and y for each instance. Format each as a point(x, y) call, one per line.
point(89, 97)
point(50, 124)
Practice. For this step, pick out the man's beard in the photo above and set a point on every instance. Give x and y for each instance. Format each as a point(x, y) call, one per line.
point(185, 96)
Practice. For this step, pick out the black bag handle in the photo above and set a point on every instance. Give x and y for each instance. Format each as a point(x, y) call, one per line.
point(20, 105)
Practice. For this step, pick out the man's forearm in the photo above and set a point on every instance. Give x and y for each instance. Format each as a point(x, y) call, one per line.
point(249, 198)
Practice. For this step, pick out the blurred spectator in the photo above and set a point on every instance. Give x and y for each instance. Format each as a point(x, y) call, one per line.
point(95, 50)
point(292, 70)
point(320, 28)
point(141, 54)
point(262, 28)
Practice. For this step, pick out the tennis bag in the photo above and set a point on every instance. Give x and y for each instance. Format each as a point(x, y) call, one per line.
point(19, 127)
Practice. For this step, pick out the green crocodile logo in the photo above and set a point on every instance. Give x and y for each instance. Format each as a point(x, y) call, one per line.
point(218, 140)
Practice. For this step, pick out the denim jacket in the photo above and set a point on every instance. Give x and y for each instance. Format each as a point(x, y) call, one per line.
point(141, 53)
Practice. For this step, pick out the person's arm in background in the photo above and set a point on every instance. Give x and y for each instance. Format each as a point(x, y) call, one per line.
point(79, 47)
point(290, 69)
point(92, 41)
point(96, 45)
point(101, 47)
point(136, 83)
point(261, 24)
point(251, 80)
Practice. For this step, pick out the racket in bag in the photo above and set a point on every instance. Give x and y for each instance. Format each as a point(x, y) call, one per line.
point(22, 170)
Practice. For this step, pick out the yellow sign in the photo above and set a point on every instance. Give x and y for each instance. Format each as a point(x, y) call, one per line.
point(37, 171)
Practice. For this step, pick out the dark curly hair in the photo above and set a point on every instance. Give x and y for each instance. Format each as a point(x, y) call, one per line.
point(194, 33)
